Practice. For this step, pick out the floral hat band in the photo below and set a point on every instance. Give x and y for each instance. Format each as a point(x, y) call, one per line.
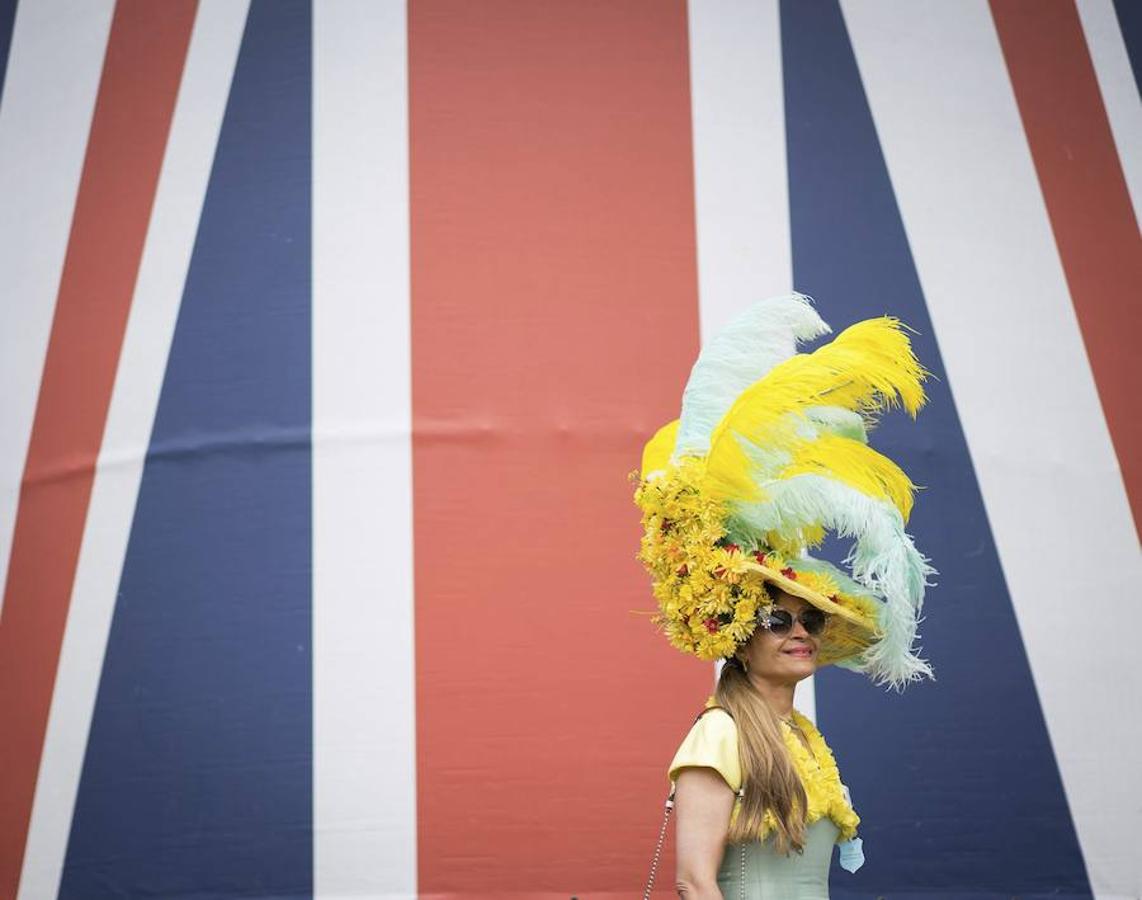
point(771, 453)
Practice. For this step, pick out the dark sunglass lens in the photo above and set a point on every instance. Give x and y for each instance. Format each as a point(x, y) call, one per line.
point(813, 620)
point(780, 621)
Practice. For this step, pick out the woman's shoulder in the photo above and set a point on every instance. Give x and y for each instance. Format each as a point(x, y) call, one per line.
point(715, 722)
point(711, 742)
point(713, 711)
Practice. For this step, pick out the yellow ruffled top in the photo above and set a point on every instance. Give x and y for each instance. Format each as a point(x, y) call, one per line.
point(713, 742)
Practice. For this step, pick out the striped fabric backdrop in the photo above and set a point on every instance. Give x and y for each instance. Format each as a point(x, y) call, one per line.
point(330, 333)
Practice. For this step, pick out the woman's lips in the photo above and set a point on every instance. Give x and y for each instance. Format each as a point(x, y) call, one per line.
point(803, 652)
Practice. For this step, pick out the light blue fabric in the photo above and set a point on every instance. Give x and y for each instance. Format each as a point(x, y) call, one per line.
point(803, 876)
point(852, 854)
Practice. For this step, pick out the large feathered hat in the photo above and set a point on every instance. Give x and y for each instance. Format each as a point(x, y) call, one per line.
point(770, 453)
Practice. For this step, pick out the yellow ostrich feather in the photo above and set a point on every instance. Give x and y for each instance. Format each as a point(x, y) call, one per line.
point(868, 368)
point(855, 464)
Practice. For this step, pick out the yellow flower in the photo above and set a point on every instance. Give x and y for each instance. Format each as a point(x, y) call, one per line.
point(819, 582)
point(707, 593)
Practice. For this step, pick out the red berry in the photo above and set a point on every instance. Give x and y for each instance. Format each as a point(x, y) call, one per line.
point(789, 573)
point(683, 570)
point(760, 557)
point(732, 548)
point(711, 625)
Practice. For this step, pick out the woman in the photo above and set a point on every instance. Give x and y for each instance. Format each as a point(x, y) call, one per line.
point(754, 712)
point(770, 453)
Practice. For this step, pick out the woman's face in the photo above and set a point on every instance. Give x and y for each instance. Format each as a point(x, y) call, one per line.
point(784, 658)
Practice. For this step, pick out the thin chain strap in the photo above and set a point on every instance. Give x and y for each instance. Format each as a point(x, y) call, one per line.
point(658, 853)
point(658, 847)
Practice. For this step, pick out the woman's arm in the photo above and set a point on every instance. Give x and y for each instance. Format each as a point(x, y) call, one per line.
point(702, 806)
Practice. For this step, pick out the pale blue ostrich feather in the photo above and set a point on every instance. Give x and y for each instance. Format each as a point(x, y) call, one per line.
point(762, 336)
point(883, 560)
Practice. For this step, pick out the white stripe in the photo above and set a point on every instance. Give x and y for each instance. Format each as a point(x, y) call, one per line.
point(740, 178)
point(54, 62)
point(364, 767)
point(741, 186)
point(1119, 91)
point(162, 274)
point(978, 229)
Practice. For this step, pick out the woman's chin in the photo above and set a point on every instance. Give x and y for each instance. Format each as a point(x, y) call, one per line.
point(801, 668)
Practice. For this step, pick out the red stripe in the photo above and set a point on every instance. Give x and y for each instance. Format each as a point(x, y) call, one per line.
point(141, 72)
point(554, 320)
point(1088, 204)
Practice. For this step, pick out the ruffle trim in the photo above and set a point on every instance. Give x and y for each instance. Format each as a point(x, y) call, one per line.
point(822, 780)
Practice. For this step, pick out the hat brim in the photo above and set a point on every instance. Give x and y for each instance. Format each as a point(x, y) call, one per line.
point(849, 633)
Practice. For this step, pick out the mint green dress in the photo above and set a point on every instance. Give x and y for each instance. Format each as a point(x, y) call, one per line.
point(803, 876)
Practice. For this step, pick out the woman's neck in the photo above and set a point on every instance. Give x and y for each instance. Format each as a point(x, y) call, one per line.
point(779, 696)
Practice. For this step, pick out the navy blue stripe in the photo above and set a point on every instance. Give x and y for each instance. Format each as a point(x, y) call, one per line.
point(7, 23)
point(1129, 13)
point(197, 780)
point(955, 780)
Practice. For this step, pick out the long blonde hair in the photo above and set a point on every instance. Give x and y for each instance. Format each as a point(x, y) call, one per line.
point(769, 779)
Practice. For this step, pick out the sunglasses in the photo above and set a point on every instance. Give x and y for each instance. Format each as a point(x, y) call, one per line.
point(780, 621)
